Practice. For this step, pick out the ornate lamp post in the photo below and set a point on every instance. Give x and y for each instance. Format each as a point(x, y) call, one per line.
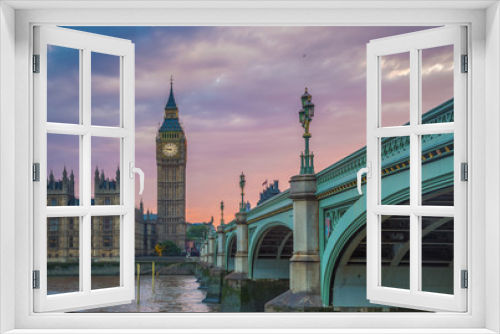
point(242, 186)
point(222, 212)
point(305, 117)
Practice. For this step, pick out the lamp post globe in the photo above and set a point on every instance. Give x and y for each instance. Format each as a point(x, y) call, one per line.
point(302, 115)
point(309, 107)
point(242, 180)
point(306, 115)
point(305, 97)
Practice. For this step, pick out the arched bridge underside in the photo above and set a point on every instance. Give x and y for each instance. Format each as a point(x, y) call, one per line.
point(272, 253)
point(231, 252)
point(347, 281)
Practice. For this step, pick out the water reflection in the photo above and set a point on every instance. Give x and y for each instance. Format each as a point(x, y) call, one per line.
point(62, 284)
point(174, 293)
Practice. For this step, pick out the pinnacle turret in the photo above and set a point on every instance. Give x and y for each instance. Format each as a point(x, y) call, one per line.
point(118, 174)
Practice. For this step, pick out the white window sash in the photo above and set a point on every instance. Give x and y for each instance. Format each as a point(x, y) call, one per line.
point(87, 43)
point(414, 297)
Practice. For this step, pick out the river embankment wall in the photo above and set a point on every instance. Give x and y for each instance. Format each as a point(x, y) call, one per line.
point(163, 266)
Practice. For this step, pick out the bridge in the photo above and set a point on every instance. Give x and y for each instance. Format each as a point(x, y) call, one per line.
point(319, 260)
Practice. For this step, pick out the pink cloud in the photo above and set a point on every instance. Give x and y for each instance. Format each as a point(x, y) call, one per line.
point(238, 90)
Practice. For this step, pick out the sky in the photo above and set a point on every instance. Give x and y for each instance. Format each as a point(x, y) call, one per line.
point(238, 92)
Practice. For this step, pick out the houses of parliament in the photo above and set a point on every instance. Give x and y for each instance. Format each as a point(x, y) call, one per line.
point(168, 224)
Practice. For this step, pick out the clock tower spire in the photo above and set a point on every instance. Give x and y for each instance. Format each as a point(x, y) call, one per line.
point(171, 106)
point(171, 158)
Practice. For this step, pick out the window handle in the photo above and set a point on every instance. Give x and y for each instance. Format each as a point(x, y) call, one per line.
point(362, 171)
point(139, 171)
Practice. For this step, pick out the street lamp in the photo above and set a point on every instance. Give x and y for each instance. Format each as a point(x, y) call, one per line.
point(306, 115)
point(222, 212)
point(242, 186)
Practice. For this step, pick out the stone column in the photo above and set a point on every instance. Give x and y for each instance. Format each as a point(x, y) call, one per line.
point(237, 287)
point(305, 280)
point(211, 250)
point(204, 267)
point(203, 252)
point(241, 258)
point(221, 248)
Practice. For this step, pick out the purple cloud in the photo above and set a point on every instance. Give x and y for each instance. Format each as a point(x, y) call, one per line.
point(238, 90)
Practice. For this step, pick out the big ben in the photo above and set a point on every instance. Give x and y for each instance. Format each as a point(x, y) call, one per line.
point(171, 154)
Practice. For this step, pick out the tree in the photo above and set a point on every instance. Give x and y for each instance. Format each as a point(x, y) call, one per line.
point(198, 231)
point(167, 248)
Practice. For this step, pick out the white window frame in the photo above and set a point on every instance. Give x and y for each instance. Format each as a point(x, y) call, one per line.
point(413, 43)
point(484, 213)
point(86, 44)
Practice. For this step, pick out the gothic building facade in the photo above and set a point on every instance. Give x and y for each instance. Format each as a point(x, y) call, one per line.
point(63, 241)
point(145, 232)
point(171, 158)
point(270, 191)
point(63, 234)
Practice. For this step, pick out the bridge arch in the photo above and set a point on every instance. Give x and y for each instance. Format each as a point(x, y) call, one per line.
point(344, 263)
point(348, 226)
point(270, 250)
point(216, 251)
point(231, 247)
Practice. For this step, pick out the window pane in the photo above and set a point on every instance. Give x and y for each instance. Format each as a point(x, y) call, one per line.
point(105, 89)
point(395, 252)
point(395, 89)
point(395, 174)
point(437, 84)
point(63, 255)
point(438, 169)
point(63, 84)
point(105, 252)
point(106, 177)
point(437, 254)
point(63, 162)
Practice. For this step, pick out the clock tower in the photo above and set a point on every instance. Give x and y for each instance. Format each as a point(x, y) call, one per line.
point(171, 152)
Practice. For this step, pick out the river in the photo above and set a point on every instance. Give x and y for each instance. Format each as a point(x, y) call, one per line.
point(174, 293)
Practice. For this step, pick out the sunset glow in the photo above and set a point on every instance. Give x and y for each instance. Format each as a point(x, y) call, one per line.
point(238, 91)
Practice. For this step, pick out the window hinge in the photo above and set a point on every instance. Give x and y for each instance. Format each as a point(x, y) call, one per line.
point(36, 63)
point(465, 279)
point(36, 279)
point(464, 171)
point(465, 64)
point(36, 172)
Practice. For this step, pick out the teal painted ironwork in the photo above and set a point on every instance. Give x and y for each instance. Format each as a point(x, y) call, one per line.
point(305, 116)
point(338, 199)
point(242, 186)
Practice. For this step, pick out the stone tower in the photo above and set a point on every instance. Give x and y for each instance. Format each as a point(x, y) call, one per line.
point(171, 154)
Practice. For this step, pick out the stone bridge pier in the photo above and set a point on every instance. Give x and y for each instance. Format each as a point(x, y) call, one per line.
point(203, 271)
point(240, 291)
point(211, 251)
point(305, 280)
point(218, 272)
point(221, 247)
point(235, 285)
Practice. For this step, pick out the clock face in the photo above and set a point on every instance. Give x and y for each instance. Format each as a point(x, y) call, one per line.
point(170, 149)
